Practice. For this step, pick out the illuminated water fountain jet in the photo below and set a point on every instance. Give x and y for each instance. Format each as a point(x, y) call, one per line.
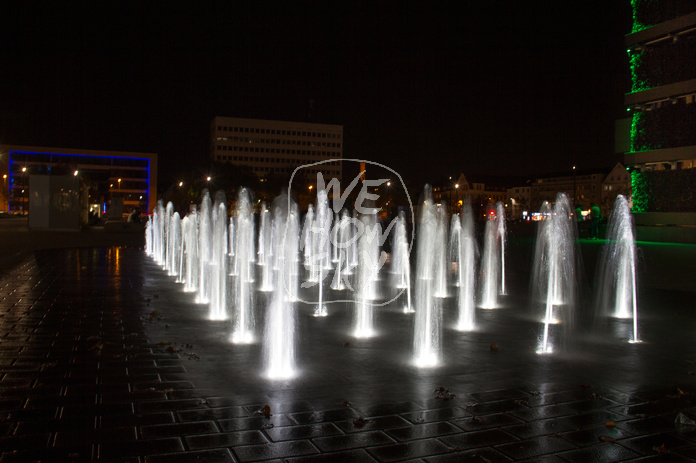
point(617, 291)
point(205, 238)
point(218, 261)
point(427, 344)
point(554, 283)
point(466, 268)
point(242, 313)
point(492, 279)
point(401, 263)
point(279, 331)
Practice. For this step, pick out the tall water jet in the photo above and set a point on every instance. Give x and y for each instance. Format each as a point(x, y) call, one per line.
point(368, 268)
point(334, 240)
point(466, 270)
point(502, 238)
point(492, 262)
point(189, 229)
point(617, 289)
point(353, 249)
point(174, 246)
point(279, 332)
point(149, 238)
point(265, 251)
point(400, 263)
point(427, 344)
point(205, 238)
point(218, 261)
point(440, 252)
point(158, 242)
point(321, 244)
point(242, 313)
point(307, 245)
point(553, 283)
point(341, 243)
point(169, 240)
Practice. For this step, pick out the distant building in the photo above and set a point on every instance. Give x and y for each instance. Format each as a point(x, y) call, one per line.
point(662, 100)
point(103, 175)
point(270, 147)
point(519, 199)
point(581, 187)
point(480, 190)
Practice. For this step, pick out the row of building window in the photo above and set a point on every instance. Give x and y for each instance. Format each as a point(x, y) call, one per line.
point(249, 149)
point(270, 160)
point(287, 170)
point(295, 133)
point(555, 188)
point(280, 141)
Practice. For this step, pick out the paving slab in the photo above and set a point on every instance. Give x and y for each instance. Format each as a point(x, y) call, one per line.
point(104, 357)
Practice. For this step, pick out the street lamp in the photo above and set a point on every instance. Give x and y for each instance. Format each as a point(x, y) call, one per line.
point(181, 184)
point(119, 183)
point(574, 187)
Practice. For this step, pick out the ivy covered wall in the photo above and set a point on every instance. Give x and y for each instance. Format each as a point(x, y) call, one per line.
point(669, 126)
point(664, 191)
point(647, 13)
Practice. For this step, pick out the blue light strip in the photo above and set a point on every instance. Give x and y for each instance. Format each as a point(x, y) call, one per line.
point(11, 162)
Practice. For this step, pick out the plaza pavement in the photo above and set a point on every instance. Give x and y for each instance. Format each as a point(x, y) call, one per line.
point(104, 358)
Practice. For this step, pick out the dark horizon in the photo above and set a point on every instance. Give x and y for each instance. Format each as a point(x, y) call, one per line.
point(430, 90)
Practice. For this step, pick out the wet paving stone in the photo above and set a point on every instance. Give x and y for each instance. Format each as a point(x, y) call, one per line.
point(600, 452)
point(254, 422)
point(472, 456)
point(177, 429)
point(408, 450)
point(380, 422)
point(205, 456)
point(229, 439)
point(532, 448)
point(423, 431)
point(349, 456)
point(84, 376)
point(352, 441)
point(275, 450)
point(278, 434)
point(655, 443)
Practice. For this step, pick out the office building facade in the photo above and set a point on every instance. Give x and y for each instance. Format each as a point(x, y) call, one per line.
point(271, 147)
point(103, 175)
point(662, 100)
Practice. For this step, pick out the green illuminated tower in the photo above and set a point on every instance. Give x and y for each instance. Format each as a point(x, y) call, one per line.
point(662, 99)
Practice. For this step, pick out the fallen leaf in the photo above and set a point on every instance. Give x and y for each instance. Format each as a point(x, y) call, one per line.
point(346, 403)
point(494, 347)
point(268, 426)
point(443, 393)
point(661, 449)
point(606, 439)
point(360, 422)
point(346, 344)
point(266, 411)
point(610, 424)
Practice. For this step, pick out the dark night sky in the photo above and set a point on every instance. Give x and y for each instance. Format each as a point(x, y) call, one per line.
point(428, 88)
